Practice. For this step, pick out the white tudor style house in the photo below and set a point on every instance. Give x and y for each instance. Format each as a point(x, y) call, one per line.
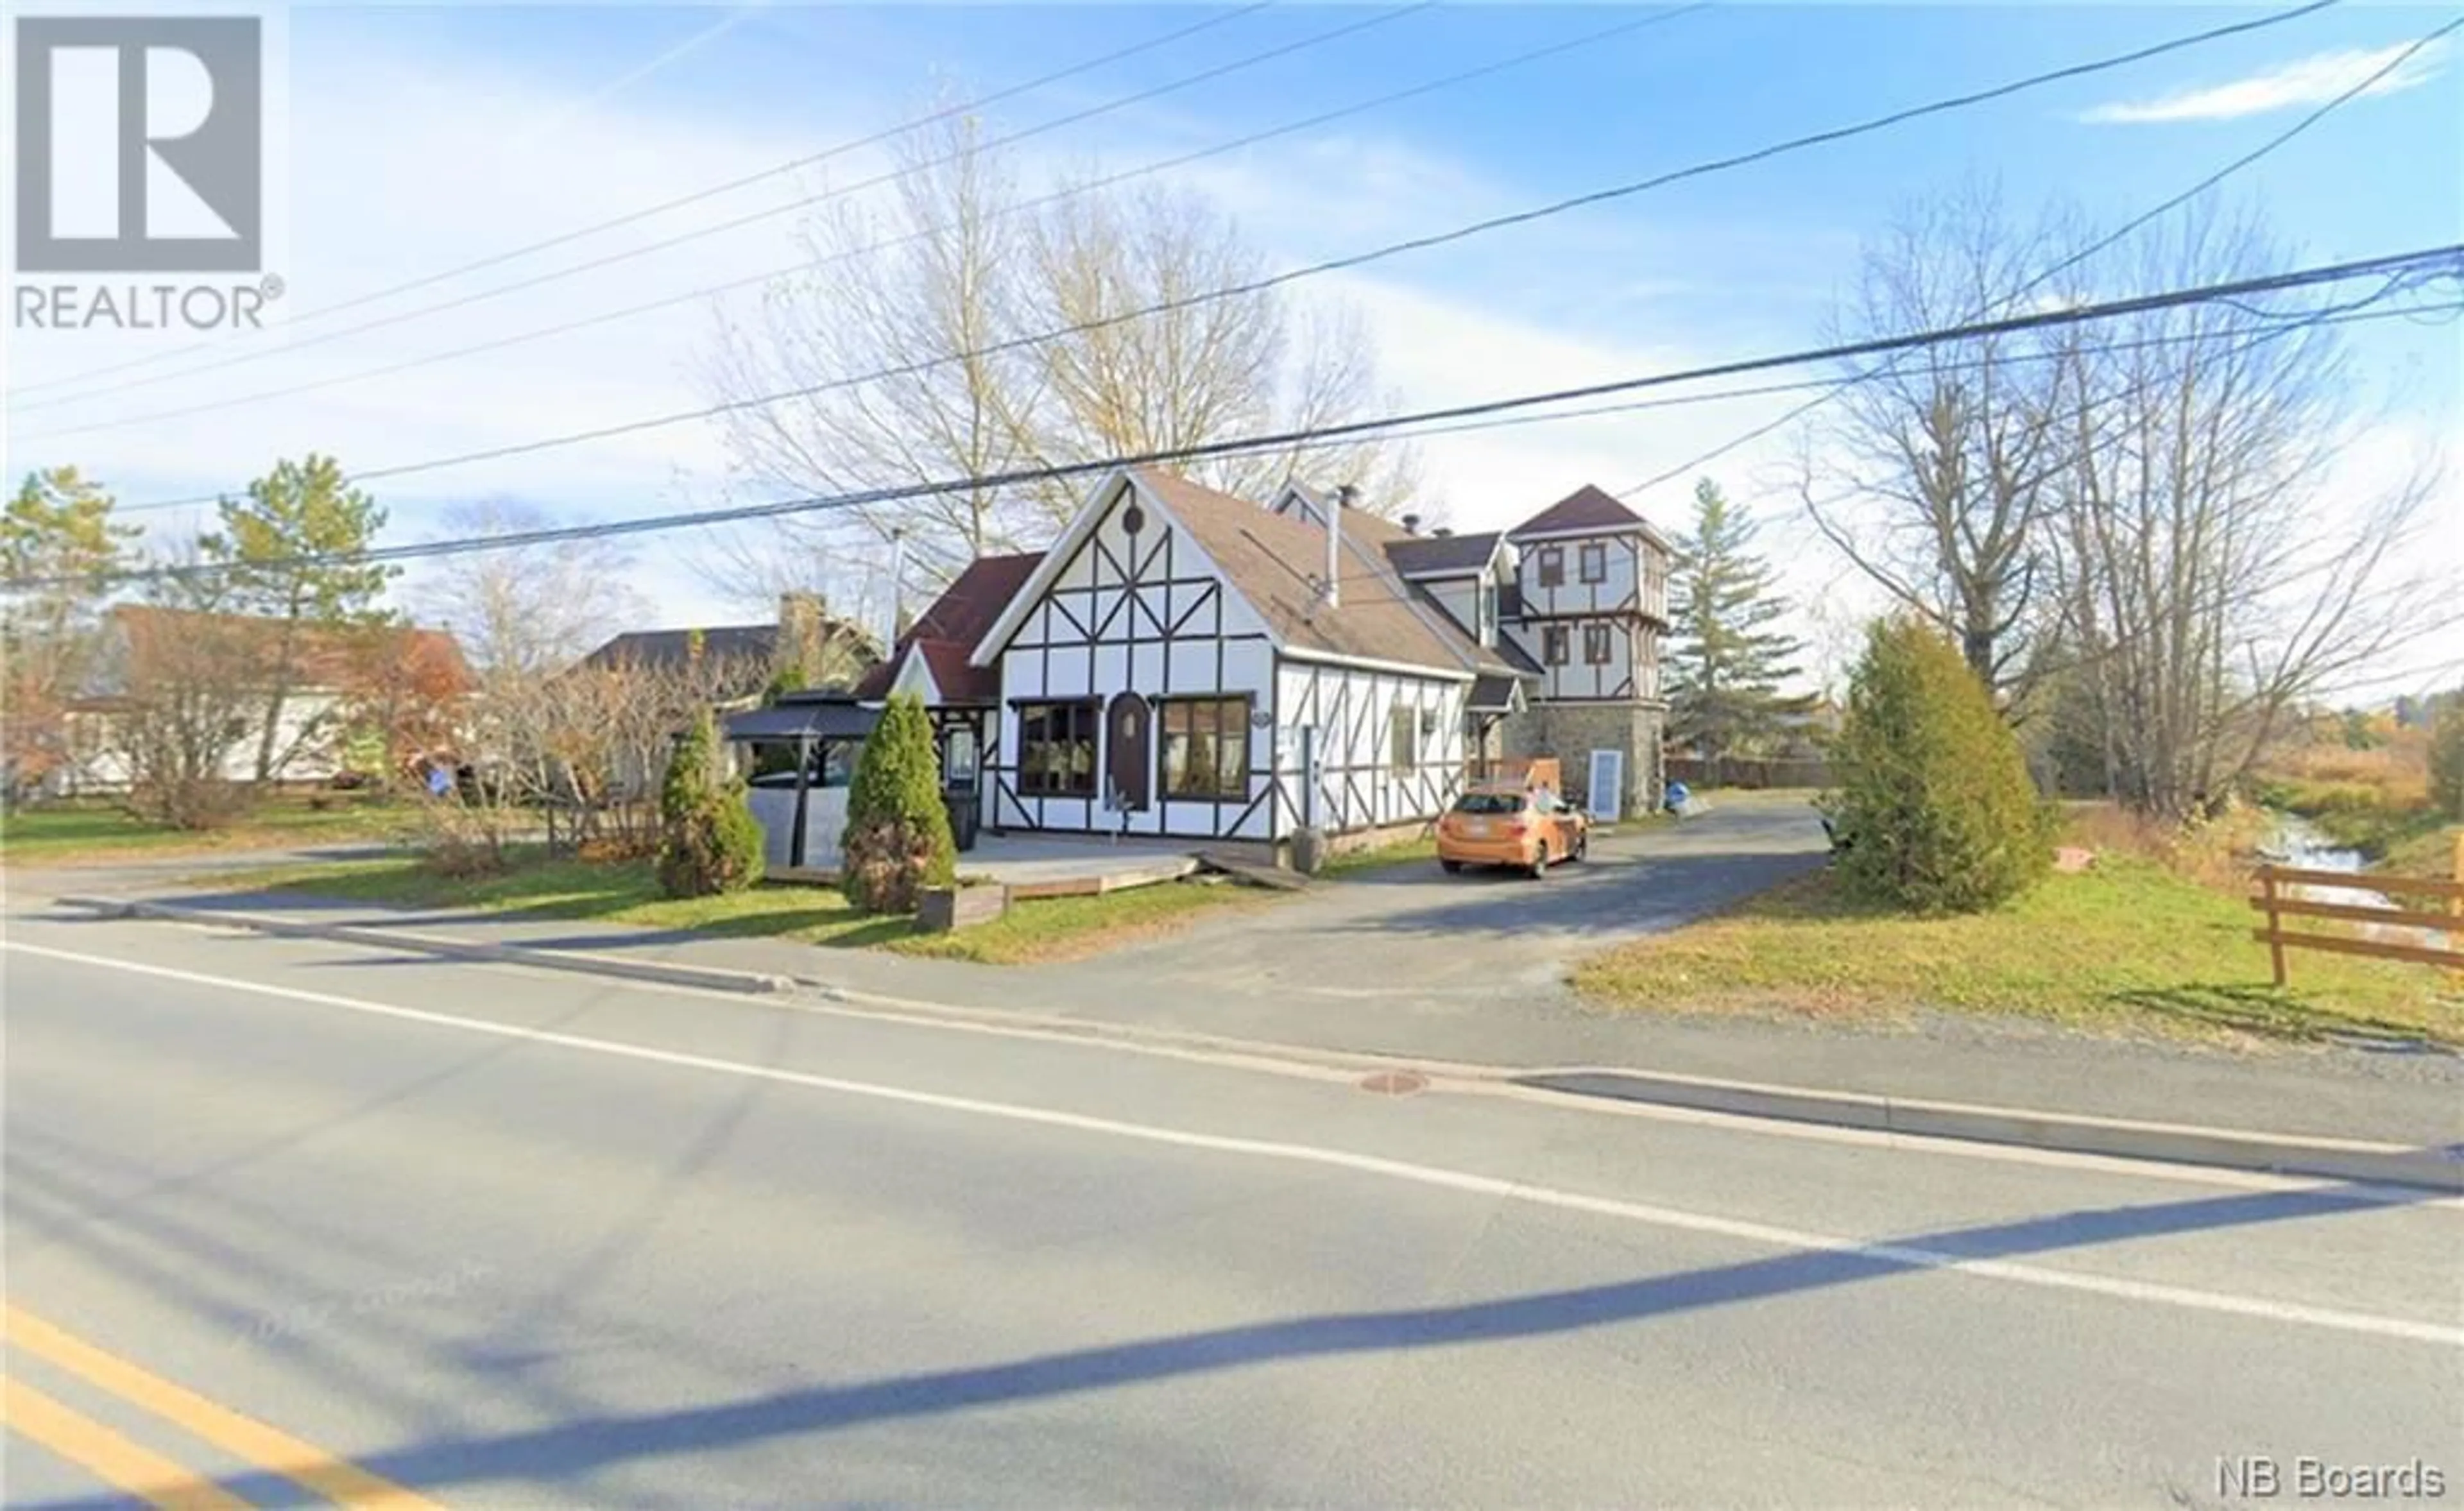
point(1184, 663)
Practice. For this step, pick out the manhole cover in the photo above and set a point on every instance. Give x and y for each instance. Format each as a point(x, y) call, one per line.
point(1394, 1083)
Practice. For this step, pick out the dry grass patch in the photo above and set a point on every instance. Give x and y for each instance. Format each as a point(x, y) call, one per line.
point(2127, 946)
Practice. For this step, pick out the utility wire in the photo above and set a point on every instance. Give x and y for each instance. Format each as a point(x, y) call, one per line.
point(2055, 271)
point(1183, 160)
point(2447, 258)
point(752, 217)
point(2293, 323)
point(632, 217)
point(1349, 261)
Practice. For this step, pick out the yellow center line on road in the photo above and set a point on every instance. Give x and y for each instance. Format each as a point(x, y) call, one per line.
point(118, 1462)
point(268, 1448)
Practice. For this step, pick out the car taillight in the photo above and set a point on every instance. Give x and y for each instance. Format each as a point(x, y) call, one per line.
point(1514, 828)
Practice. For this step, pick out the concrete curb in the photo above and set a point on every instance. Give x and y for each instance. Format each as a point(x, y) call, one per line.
point(2381, 1163)
point(2355, 1160)
point(2378, 1164)
point(709, 978)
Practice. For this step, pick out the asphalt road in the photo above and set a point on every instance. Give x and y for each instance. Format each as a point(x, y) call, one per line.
point(1464, 942)
point(305, 1221)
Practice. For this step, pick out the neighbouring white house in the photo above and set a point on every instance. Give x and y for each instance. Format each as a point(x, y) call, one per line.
point(1184, 663)
point(351, 692)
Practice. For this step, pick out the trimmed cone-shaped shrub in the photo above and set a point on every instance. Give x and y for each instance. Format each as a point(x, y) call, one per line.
point(709, 840)
point(1934, 811)
point(897, 841)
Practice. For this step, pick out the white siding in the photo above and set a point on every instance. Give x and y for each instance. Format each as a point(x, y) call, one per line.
point(1621, 560)
point(1630, 595)
point(1357, 784)
point(1148, 613)
point(310, 731)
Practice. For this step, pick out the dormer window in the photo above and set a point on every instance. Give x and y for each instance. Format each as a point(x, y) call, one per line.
point(1485, 628)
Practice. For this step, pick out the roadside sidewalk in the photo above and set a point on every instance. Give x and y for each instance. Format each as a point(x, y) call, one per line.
point(2414, 1099)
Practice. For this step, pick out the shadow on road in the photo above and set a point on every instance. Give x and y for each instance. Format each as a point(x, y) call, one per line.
point(576, 1447)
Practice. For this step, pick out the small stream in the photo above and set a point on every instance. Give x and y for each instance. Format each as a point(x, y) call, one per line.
point(2299, 844)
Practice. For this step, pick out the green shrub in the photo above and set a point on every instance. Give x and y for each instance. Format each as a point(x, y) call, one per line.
point(898, 840)
point(709, 841)
point(2447, 759)
point(1934, 810)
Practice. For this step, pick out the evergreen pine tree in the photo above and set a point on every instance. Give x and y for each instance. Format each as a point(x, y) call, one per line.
point(1726, 661)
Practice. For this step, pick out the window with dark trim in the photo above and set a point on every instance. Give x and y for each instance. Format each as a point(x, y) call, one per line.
point(1056, 750)
point(1205, 747)
point(1403, 728)
point(1593, 562)
point(1553, 565)
point(1553, 645)
point(1595, 645)
point(1485, 612)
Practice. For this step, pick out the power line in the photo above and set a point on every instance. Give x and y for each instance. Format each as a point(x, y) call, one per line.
point(2306, 277)
point(2263, 149)
point(2291, 323)
point(646, 212)
point(1349, 261)
point(1108, 181)
point(610, 260)
point(2351, 315)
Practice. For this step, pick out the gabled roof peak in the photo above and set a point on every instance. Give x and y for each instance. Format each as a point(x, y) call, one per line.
point(1586, 507)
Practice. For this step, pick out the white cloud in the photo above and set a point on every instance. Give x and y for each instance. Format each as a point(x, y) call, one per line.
point(2312, 81)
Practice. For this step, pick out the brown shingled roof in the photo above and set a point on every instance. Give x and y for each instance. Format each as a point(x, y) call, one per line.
point(1442, 555)
point(1275, 563)
point(948, 631)
point(1586, 507)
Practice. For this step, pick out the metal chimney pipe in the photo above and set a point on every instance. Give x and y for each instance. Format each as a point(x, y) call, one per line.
point(897, 571)
point(1342, 500)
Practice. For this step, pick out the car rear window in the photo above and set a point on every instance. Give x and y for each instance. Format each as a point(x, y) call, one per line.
point(1489, 802)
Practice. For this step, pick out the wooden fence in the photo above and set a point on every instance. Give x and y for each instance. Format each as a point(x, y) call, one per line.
point(1736, 772)
point(2275, 900)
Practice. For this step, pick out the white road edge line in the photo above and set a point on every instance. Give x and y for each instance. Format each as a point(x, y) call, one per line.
point(1901, 1255)
point(1446, 1079)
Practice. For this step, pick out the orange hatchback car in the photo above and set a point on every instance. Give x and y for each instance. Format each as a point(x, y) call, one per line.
point(1498, 824)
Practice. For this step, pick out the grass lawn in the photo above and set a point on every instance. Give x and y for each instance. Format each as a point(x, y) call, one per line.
point(1041, 929)
point(70, 834)
point(2126, 946)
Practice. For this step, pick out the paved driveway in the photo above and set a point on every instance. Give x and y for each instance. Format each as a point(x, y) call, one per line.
point(1413, 934)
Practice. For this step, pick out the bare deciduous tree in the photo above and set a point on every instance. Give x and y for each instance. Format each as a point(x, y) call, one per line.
point(187, 684)
point(2146, 509)
point(959, 288)
point(524, 611)
point(2215, 570)
point(1932, 472)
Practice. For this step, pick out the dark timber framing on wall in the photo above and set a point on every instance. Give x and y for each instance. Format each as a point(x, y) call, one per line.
point(1555, 612)
point(1352, 710)
point(1158, 593)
